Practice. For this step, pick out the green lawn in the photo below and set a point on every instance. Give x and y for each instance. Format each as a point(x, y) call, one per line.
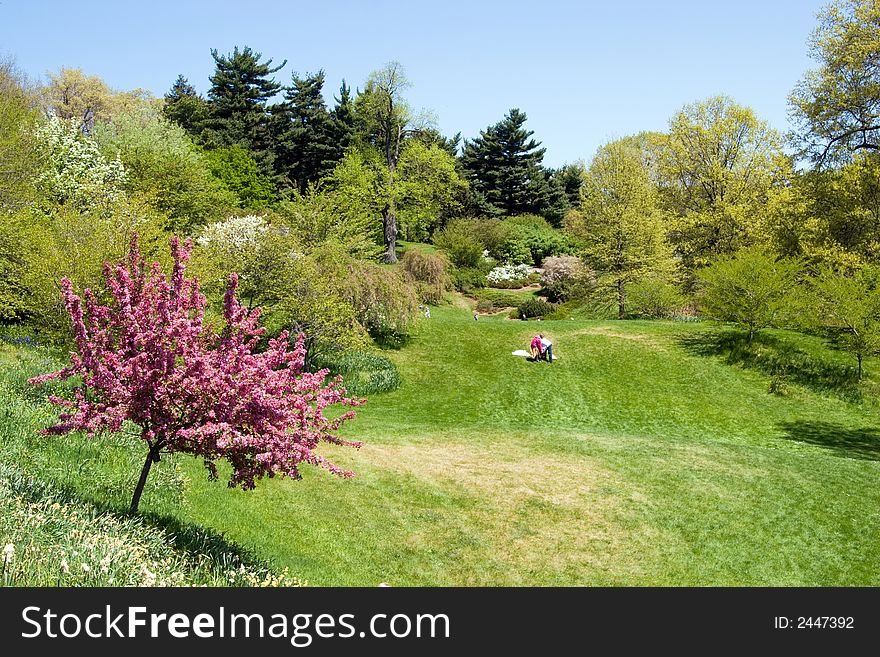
point(640, 457)
point(650, 453)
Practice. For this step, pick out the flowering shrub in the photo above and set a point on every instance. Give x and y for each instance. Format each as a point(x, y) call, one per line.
point(509, 275)
point(565, 277)
point(235, 234)
point(76, 171)
point(148, 358)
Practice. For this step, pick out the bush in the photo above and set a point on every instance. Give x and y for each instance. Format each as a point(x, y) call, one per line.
point(428, 272)
point(538, 236)
point(467, 280)
point(362, 373)
point(491, 232)
point(460, 245)
point(566, 277)
point(534, 308)
point(509, 276)
point(653, 298)
point(489, 300)
point(516, 250)
point(545, 243)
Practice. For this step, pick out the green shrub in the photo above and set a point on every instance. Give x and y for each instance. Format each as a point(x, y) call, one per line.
point(362, 373)
point(460, 245)
point(653, 298)
point(516, 251)
point(467, 280)
point(496, 300)
point(534, 308)
point(428, 272)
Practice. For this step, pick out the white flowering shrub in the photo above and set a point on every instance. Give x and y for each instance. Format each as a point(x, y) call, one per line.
point(75, 170)
point(508, 274)
point(235, 234)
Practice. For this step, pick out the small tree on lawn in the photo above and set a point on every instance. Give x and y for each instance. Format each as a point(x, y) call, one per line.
point(750, 288)
point(850, 307)
point(149, 358)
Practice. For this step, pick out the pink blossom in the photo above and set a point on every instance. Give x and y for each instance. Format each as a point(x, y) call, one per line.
point(149, 358)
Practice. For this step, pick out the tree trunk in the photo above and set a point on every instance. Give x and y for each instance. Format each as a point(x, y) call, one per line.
point(859, 356)
point(389, 220)
point(389, 224)
point(621, 299)
point(152, 455)
point(751, 335)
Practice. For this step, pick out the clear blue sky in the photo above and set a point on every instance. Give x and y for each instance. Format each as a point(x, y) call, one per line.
point(584, 72)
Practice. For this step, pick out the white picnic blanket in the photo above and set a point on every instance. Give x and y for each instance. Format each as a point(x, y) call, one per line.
point(522, 353)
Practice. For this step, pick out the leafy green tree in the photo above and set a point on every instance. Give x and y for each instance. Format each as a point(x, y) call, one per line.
point(618, 226)
point(837, 106)
point(18, 155)
point(716, 167)
point(310, 147)
point(385, 120)
point(330, 214)
point(238, 172)
point(74, 241)
point(86, 99)
point(751, 288)
point(164, 167)
point(504, 165)
point(429, 189)
point(185, 107)
point(241, 88)
point(460, 244)
point(849, 306)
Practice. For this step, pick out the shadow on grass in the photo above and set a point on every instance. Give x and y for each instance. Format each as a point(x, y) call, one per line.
point(850, 443)
point(777, 358)
point(194, 541)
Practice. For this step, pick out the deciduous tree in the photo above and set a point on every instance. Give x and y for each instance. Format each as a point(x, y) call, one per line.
point(618, 224)
point(836, 107)
point(149, 358)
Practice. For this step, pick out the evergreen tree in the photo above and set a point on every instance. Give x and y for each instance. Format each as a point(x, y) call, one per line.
point(185, 107)
point(240, 112)
point(343, 120)
point(504, 165)
point(309, 150)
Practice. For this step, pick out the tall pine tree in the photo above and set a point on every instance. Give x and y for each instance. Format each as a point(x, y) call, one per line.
point(309, 148)
point(186, 107)
point(343, 119)
point(504, 165)
point(241, 88)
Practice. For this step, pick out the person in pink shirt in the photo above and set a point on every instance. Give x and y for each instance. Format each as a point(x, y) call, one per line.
point(535, 347)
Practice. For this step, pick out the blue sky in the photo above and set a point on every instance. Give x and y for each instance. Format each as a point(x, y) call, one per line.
point(584, 72)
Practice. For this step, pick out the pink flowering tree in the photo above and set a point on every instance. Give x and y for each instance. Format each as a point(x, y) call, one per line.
point(149, 358)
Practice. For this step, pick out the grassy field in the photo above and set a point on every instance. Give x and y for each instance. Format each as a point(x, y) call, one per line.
point(650, 453)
